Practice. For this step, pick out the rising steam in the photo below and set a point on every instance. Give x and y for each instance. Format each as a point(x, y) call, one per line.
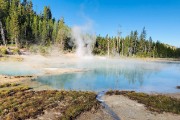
point(84, 39)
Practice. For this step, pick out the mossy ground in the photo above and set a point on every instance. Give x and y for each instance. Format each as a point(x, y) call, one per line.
point(157, 103)
point(18, 102)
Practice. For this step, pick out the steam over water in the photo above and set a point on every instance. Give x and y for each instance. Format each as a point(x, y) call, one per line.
point(106, 74)
point(100, 73)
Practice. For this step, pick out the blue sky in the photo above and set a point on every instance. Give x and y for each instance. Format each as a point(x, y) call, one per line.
point(160, 17)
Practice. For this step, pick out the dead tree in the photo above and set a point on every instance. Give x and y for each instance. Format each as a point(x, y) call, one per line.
point(2, 33)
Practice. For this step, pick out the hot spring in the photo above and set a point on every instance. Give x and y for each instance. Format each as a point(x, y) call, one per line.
point(101, 74)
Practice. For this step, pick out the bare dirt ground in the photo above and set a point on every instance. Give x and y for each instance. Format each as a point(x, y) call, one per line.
point(10, 79)
point(57, 71)
point(100, 114)
point(125, 108)
point(128, 109)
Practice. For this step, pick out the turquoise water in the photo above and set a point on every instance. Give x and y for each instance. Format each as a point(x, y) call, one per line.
point(118, 75)
point(104, 74)
point(17, 69)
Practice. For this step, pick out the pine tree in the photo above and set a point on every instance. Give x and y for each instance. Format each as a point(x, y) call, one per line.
point(142, 44)
point(8, 29)
point(44, 35)
point(47, 13)
point(108, 44)
point(150, 43)
point(50, 29)
point(14, 23)
point(15, 29)
point(35, 28)
point(135, 40)
point(118, 41)
point(54, 33)
point(62, 34)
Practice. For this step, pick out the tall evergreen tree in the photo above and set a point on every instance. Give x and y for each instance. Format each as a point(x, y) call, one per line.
point(135, 42)
point(14, 23)
point(150, 43)
point(55, 31)
point(35, 28)
point(142, 44)
point(62, 34)
point(44, 35)
point(47, 13)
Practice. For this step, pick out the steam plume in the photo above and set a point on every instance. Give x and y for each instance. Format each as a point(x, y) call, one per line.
point(84, 39)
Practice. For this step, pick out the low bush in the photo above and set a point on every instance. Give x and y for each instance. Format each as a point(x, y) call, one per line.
point(33, 49)
point(43, 50)
point(15, 51)
point(3, 51)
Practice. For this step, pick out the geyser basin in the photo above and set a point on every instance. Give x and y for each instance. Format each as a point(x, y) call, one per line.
point(106, 74)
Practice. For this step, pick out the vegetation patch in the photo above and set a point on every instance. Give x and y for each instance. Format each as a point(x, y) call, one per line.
point(15, 51)
point(43, 50)
point(9, 51)
point(19, 102)
point(9, 85)
point(3, 50)
point(157, 103)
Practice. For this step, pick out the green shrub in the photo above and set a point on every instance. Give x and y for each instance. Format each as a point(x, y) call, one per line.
point(15, 51)
point(3, 51)
point(43, 50)
point(33, 49)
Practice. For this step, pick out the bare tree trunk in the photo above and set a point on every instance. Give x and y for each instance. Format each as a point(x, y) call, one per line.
point(114, 48)
point(117, 47)
point(153, 51)
point(16, 42)
point(2, 34)
point(122, 49)
point(108, 47)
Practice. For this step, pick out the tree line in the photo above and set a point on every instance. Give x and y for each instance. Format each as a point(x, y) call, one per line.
point(134, 44)
point(22, 27)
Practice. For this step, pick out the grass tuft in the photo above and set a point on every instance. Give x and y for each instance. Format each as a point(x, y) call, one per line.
point(9, 85)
